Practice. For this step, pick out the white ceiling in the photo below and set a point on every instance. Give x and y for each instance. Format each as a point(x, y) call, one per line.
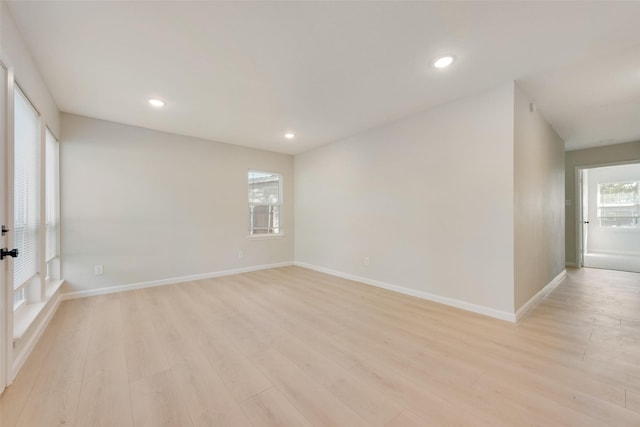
point(246, 72)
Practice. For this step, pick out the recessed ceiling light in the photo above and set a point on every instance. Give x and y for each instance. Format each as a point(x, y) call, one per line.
point(156, 103)
point(289, 135)
point(443, 62)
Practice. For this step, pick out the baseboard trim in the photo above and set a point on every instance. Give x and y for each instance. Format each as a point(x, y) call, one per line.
point(32, 338)
point(486, 311)
point(615, 253)
point(535, 300)
point(169, 281)
point(571, 264)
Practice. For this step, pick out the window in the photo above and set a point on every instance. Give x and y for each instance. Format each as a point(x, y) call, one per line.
point(619, 204)
point(52, 221)
point(26, 194)
point(19, 298)
point(265, 202)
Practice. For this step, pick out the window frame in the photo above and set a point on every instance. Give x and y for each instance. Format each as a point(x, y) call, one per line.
point(29, 296)
point(251, 205)
point(51, 214)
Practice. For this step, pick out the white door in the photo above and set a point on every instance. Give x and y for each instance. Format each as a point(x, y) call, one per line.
point(6, 220)
point(4, 202)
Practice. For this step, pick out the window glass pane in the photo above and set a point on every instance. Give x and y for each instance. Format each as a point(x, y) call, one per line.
point(264, 188)
point(619, 204)
point(26, 189)
point(18, 298)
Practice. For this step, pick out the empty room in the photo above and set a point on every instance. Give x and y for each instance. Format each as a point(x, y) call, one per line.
point(319, 213)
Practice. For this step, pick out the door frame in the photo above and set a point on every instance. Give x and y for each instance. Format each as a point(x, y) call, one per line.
point(579, 207)
point(579, 216)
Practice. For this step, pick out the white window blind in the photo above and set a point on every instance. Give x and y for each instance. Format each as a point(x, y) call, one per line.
point(52, 220)
point(265, 200)
point(26, 189)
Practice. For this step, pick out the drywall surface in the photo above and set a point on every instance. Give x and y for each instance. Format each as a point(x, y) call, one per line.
point(149, 205)
point(27, 75)
point(427, 201)
point(601, 156)
point(538, 203)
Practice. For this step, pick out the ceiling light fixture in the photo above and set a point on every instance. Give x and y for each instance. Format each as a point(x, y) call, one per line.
point(156, 103)
point(444, 61)
point(289, 135)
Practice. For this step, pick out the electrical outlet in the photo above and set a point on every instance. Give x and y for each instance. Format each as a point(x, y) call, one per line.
point(98, 269)
point(240, 254)
point(366, 260)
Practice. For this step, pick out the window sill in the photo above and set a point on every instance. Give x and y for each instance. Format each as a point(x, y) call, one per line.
point(265, 236)
point(24, 317)
point(620, 229)
point(52, 287)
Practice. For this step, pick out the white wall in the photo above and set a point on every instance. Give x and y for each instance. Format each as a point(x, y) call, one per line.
point(150, 205)
point(611, 240)
point(27, 75)
point(539, 201)
point(429, 199)
point(629, 152)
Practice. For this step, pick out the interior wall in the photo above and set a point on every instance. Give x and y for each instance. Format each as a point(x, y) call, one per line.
point(150, 205)
point(539, 201)
point(599, 156)
point(27, 75)
point(428, 200)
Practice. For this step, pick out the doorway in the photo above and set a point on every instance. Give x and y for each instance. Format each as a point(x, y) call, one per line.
point(610, 217)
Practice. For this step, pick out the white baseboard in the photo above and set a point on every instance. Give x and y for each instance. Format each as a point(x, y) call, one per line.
point(502, 315)
point(534, 300)
point(169, 281)
point(33, 337)
point(571, 264)
point(612, 252)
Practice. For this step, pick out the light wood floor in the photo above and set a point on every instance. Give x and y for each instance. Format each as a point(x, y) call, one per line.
point(293, 347)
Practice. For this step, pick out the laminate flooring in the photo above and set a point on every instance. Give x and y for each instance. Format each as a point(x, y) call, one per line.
point(294, 347)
